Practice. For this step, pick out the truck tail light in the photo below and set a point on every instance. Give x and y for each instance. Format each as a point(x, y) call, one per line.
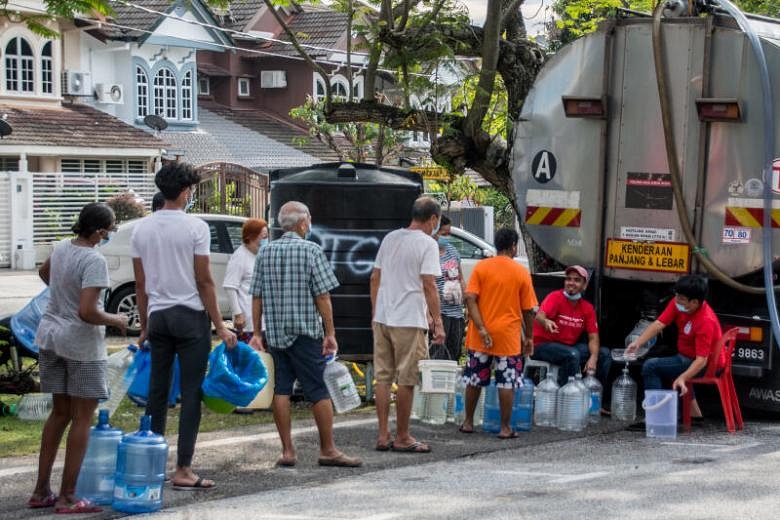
point(752, 334)
point(719, 110)
point(594, 108)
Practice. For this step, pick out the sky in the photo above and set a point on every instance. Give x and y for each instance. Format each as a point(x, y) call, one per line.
point(530, 8)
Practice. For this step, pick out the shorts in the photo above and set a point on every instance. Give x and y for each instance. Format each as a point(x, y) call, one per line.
point(303, 361)
point(396, 353)
point(83, 379)
point(508, 370)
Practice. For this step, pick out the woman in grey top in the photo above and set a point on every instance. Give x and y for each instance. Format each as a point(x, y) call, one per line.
point(72, 359)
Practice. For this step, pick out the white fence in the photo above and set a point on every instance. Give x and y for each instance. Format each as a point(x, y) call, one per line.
point(5, 220)
point(58, 198)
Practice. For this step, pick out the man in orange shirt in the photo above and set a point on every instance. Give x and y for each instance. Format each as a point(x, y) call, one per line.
point(501, 300)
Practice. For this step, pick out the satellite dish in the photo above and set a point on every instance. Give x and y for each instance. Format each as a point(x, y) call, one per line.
point(156, 123)
point(5, 128)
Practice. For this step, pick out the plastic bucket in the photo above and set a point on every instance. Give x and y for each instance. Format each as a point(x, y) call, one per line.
point(437, 376)
point(266, 396)
point(660, 413)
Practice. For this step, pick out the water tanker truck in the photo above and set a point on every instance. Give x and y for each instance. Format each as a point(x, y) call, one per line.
point(645, 151)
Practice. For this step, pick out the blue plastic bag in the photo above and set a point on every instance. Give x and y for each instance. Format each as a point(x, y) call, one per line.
point(24, 324)
point(139, 388)
point(236, 376)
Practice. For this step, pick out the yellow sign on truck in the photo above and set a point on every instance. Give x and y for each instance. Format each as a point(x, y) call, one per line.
point(667, 257)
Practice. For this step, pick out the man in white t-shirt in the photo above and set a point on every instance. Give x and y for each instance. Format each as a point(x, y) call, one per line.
point(177, 302)
point(405, 304)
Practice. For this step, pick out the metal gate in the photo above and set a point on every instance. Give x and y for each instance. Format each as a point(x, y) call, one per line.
point(5, 218)
point(231, 189)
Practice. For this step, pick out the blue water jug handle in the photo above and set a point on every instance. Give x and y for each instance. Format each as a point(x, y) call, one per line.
point(330, 358)
point(132, 348)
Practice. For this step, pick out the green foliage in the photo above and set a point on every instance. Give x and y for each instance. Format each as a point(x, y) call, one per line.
point(39, 23)
point(762, 7)
point(576, 18)
point(234, 204)
point(503, 213)
point(126, 206)
point(496, 121)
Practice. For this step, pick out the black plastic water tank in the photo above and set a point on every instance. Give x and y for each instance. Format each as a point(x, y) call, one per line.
point(353, 206)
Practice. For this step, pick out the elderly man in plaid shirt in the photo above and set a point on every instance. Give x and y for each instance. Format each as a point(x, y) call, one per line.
point(291, 285)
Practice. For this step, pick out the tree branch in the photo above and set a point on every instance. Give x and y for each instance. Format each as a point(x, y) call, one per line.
point(487, 75)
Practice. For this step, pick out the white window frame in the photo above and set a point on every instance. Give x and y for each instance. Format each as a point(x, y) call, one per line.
point(204, 80)
point(166, 102)
point(21, 65)
point(248, 84)
point(47, 69)
point(187, 103)
point(141, 92)
point(94, 165)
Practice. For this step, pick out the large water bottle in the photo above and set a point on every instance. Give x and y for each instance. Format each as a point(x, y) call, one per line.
point(523, 406)
point(491, 421)
point(341, 386)
point(638, 329)
point(545, 405)
point(140, 470)
point(120, 374)
point(435, 408)
point(585, 398)
point(96, 478)
point(570, 409)
point(35, 407)
point(418, 403)
point(624, 398)
point(452, 400)
point(594, 387)
point(459, 401)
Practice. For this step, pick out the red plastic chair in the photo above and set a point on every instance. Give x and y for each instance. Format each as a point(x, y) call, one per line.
point(724, 382)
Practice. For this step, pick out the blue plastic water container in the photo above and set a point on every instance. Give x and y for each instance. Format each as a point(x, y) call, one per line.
point(491, 420)
point(139, 388)
point(523, 406)
point(24, 324)
point(140, 470)
point(96, 478)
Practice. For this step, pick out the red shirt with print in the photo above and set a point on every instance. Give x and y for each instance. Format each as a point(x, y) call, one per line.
point(698, 333)
point(572, 317)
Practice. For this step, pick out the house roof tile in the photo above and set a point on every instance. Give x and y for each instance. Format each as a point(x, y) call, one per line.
point(317, 27)
point(72, 125)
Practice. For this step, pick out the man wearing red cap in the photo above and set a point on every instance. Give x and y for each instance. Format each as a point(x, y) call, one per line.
point(559, 325)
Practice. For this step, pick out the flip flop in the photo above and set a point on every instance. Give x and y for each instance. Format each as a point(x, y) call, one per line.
point(383, 447)
point(513, 435)
point(461, 429)
point(77, 508)
point(281, 462)
point(40, 503)
point(342, 461)
point(192, 487)
point(415, 447)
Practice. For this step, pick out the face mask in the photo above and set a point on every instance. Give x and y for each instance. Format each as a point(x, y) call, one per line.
point(307, 235)
point(572, 297)
point(263, 242)
point(104, 241)
point(680, 307)
point(436, 229)
point(444, 241)
point(190, 203)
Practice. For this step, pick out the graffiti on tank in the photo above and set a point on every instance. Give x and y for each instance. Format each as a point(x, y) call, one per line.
point(345, 249)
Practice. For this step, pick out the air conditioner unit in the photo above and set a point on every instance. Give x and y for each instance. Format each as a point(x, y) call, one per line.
point(273, 79)
point(108, 93)
point(75, 83)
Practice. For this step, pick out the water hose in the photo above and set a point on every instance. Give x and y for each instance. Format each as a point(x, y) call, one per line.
point(659, 58)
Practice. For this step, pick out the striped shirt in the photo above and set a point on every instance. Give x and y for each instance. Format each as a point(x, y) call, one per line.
point(450, 271)
point(289, 273)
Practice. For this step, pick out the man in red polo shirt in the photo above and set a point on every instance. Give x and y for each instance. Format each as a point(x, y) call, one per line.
point(698, 333)
point(561, 321)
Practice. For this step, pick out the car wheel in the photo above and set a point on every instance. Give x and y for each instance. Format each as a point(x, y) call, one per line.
point(124, 302)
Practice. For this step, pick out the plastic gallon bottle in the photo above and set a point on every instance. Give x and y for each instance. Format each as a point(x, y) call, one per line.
point(624, 398)
point(341, 386)
point(120, 375)
point(418, 403)
point(596, 390)
point(459, 401)
point(491, 421)
point(545, 404)
point(570, 409)
point(523, 407)
point(435, 408)
point(96, 478)
point(35, 407)
point(585, 398)
point(140, 470)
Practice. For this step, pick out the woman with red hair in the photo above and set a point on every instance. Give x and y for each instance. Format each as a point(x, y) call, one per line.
point(238, 275)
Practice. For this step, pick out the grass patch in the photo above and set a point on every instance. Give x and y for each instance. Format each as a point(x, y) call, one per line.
point(19, 437)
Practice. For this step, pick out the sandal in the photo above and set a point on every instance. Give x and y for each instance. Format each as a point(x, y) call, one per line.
point(383, 447)
point(199, 484)
point(77, 508)
point(40, 503)
point(461, 429)
point(415, 447)
point(342, 461)
point(513, 435)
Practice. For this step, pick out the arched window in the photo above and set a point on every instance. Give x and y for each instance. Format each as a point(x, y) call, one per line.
point(47, 80)
point(165, 93)
point(186, 96)
point(141, 92)
point(357, 90)
point(320, 94)
point(340, 90)
point(19, 66)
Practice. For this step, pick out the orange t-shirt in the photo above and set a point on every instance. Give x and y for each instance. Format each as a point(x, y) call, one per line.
point(504, 289)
